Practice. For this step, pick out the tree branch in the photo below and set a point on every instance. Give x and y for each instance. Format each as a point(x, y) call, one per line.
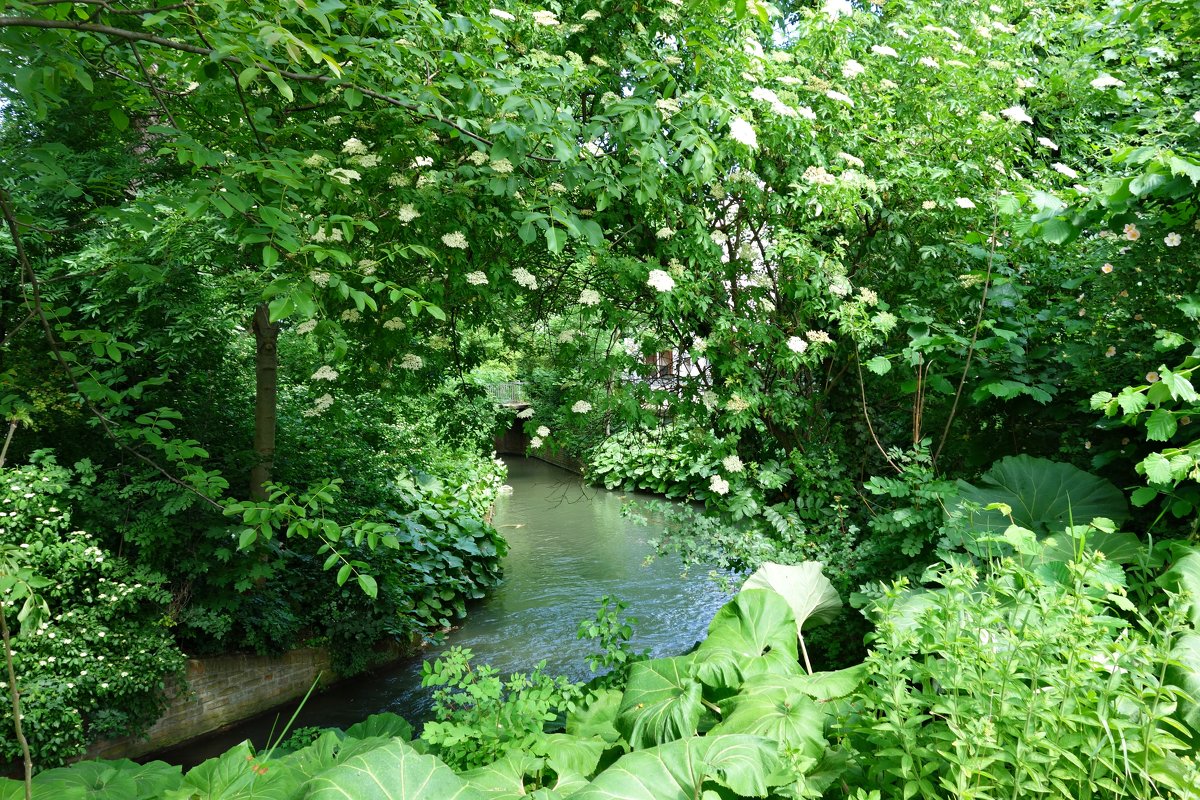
point(308, 77)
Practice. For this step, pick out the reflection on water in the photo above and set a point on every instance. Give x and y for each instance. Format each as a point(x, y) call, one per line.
point(568, 546)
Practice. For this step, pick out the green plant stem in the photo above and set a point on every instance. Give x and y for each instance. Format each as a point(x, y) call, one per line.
point(14, 695)
point(12, 428)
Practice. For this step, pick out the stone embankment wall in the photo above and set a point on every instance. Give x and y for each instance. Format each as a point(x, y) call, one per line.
point(515, 442)
point(221, 691)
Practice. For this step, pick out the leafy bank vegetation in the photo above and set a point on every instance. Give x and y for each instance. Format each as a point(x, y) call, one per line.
point(869, 286)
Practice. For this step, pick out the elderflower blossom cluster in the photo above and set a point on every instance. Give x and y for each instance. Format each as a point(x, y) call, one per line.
point(660, 280)
point(545, 18)
point(1105, 81)
point(796, 344)
point(320, 278)
point(543, 430)
point(819, 337)
point(535, 442)
point(840, 97)
point(852, 69)
point(421, 161)
point(742, 132)
point(1063, 169)
point(664, 233)
point(736, 404)
point(354, 147)
point(667, 106)
point(525, 278)
point(306, 327)
point(319, 406)
point(411, 361)
point(732, 463)
point(590, 16)
point(589, 297)
point(477, 278)
point(501, 14)
point(394, 324)
point(868, 296)
point(525, 413)
point(407, 213)
point(718, 485)
point(1017, 114)
point(581, 407)
point(325, 373)
point(884, 50)
point(478, 158)
point(457, 240)
point(502, 166)
point(964, 202)
point(351, 315)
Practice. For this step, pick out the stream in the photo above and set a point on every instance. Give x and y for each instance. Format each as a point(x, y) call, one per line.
point(569, 545)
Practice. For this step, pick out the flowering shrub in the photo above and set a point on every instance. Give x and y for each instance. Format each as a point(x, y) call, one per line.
point(96, 667)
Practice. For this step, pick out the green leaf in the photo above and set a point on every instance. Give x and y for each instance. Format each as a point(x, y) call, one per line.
point(808, 592)
point(392, 772)
point(1057, 231)
point(598, 717)
point(1184, 577)
point(353, 97)
point(386, 724)
point(106, 779)
point(270, 256)
point(343, 574)
point(1184, 672)
point(661, 702)
point(247, 538)
point(1044, 495)
point(368, 585)
point(776, 707)
point(879, 365)
point(1157, 469)
point(753, 633)
point(676, 771)
point(1161, 425)
point(1143, 496)
point(232, 776)
point(556, 239)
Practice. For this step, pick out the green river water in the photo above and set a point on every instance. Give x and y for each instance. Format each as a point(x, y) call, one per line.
point(568, 546)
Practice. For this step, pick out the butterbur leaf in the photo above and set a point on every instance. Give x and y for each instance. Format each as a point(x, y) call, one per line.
point(1044, 496)
point(661, 702)
point(392, 772)
point(753, 633)
point(808, 592)
point(776, 707)
point(385, 724)
point(597, 718)
point(675, 771)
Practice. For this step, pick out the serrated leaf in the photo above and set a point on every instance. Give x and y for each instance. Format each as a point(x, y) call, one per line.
point(879, 365)
point(1161, 425)
point(1157, 469)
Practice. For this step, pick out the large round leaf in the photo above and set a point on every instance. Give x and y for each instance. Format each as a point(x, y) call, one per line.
point(1184, 577)
point(392, 772)
point(1044, 496)
point(675, 771)
point(806, 589)
point(597, 717)
point(661, 702)
point(752, 634)
point(233, 776)
point(776, 706)
point(86, 780)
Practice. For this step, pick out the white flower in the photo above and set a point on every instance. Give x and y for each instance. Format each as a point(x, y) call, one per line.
point(1196, 117)
point(664, 233)
point(478, 158)
point(840, 286)
point(819, 337)
point(525, 413)
point(888, 84)
point(853, 161)
point(806, 113)
point(718, 485)
point(394, 324)
point(732, 463)
point(407, 213)
point(477, 278)
point(316, 160)
point(411, 361)
point(543, 430)
point(1017, 114)
point(837, 8)
point(456, 240)
point(501, 14)
point(884, 50)
point(535, 442)
point(325, 373)
point(421, 161)
point(841, 98)
point(367, 161)
point(926, 61)
point(590, 16)
point(1064, 170)
point(546, 18)
point(796, 344)
point(319, 407)
point(667, 106)
point(589, 297)
point(929, 205)
point(396, 180)
point(320, 278)
point(1172, 240)
point(305, 328)
point(344, 176)
point(581, 407)
point(741, 131)
point(502, 166)
point(525, 278)
point(351, 315)
point(1105, 81)
point(354, 147)
point(600, 62)
point(764, 94)
point(963, 202)
point(1044, 142)
point(852, 69)
point(660, 280)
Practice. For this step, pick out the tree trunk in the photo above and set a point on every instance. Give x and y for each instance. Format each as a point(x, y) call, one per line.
point(266, 369)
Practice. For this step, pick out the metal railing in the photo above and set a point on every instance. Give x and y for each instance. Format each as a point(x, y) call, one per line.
point(508, 393)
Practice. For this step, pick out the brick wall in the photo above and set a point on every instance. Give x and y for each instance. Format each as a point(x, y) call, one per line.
point(226, 689)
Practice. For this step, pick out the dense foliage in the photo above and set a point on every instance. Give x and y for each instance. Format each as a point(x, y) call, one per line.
point(813, 269)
